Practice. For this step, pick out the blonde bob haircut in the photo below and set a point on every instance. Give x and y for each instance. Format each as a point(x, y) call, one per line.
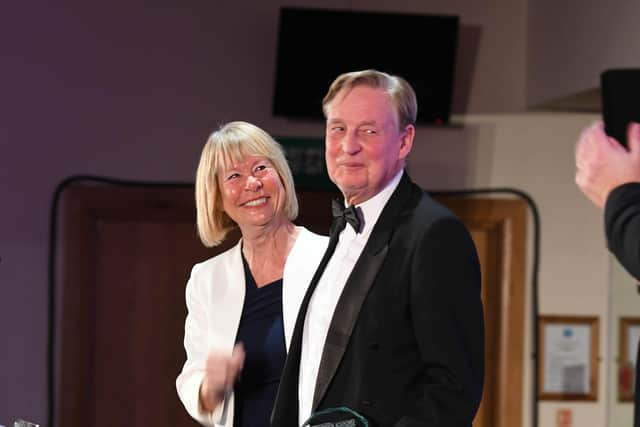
point(230, 144)
point(398, 89)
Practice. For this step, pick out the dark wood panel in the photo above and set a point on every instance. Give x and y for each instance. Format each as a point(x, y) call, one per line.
point(127, 254)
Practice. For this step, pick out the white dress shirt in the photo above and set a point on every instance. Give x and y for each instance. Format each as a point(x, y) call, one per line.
point(325, 297)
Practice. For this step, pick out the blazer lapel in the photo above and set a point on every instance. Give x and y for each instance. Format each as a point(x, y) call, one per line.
point(357, 287)
point(227, 295)
point(285, 408)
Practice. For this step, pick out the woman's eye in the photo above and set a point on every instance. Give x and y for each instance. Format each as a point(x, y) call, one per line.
point(260, 168)
point(233, 176)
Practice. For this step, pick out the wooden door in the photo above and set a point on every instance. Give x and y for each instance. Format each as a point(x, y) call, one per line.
point(126, 254)
point(498, 229)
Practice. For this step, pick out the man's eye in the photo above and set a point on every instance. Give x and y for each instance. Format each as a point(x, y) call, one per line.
point(336, 128)
point(370, 131)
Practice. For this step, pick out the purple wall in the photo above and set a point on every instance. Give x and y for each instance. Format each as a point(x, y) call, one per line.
point(122, 89)
point(131, 89)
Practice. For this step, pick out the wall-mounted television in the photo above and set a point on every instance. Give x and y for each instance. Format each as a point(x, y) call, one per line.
point(316, 45)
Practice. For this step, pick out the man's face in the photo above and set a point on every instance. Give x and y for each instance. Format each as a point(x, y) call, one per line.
point(364, 148)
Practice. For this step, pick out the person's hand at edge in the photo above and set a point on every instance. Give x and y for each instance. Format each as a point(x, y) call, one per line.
point(603, 164)
point(221, 373)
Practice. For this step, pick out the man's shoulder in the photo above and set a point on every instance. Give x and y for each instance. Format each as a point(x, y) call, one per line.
point(428, 203)
point(429, 208)
point(413, 204)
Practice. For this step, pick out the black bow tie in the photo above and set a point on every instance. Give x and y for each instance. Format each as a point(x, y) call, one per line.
point(341, 216)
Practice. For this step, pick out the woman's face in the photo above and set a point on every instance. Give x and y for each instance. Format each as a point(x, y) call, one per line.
point(251, 191)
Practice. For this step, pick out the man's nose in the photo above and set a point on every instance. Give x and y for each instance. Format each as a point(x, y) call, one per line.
point(253, 183)
point(351, 143)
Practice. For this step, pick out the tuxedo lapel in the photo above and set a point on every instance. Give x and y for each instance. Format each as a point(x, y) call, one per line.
point(345, 316)
point(357, 287)
point(285, 408)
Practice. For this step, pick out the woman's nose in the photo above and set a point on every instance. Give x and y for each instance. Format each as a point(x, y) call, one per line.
point(253, 183)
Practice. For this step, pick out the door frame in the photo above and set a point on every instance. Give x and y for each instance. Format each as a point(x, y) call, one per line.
point(506, 218)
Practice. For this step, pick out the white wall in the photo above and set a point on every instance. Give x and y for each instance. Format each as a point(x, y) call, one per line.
point(572, 41)
point(131, 90)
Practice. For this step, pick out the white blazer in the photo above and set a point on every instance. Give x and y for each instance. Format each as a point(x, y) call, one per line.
point(215, 297)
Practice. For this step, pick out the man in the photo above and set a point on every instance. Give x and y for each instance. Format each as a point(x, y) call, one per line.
point(609, 175)
point(393, 329)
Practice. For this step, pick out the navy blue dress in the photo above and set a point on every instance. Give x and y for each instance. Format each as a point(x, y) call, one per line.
point(261, 331)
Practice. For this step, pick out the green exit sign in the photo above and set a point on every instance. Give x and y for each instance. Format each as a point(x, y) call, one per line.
point(306, 160)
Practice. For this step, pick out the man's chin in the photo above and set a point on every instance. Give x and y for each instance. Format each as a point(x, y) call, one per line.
point(350, 188)
point(351, 183)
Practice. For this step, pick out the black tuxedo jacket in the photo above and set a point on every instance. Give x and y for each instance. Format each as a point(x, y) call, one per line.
point(622, 224)
point(406, 343)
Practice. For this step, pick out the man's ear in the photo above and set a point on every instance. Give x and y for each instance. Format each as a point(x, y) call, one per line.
point(406, 141)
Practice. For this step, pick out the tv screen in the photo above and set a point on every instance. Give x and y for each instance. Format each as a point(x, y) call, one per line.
point(315, 46)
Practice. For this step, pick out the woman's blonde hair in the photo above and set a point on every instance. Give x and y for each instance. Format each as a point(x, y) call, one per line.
point(230, 144)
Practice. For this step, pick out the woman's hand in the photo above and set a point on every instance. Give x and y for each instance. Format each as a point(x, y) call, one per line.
point(221, 373)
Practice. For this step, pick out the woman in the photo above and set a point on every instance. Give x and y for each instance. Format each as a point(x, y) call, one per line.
point(242, 304)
